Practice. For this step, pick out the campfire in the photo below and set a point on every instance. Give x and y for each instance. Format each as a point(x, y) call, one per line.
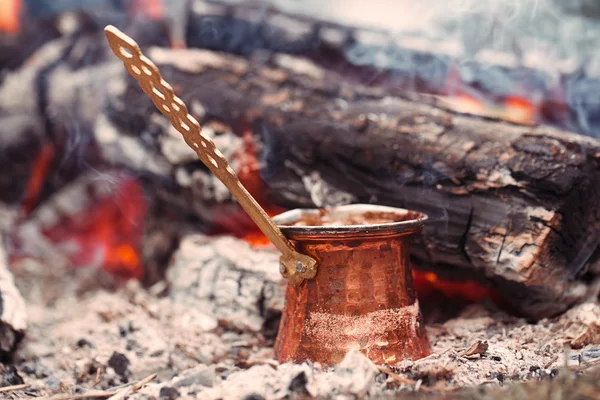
point(128, 269)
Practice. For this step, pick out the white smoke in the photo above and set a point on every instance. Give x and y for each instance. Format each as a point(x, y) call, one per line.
point(552, 28)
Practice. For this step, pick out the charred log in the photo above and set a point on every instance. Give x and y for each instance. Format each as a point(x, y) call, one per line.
point(507, 203)
point(510, 205)
point(453, 55)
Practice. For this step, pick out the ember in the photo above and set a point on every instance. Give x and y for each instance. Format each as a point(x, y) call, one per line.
point(150, 8)
point(38, 175)
point(108, 235)
point(427, 283)
point(512, 109)
point(9, 16)
point(248, 171)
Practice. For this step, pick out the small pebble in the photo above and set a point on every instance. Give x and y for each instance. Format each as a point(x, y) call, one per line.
point(11, 377)
point(298, 384)
point(84, 343)
point(119, 363)
point(122, 331)
point(168, 393)
point(254, 396)
point(52, 383)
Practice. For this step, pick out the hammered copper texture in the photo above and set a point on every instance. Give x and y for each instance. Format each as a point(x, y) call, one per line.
point(362, 297)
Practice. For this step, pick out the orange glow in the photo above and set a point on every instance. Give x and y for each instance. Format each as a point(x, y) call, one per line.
point(512, 109)
point(428, 282)
point(257, 239)
point(150, 8)
point(249, 167)
point(520, 110)
point(248, 172)
point(9, 16)
point(39, 170)
point(109, 235)
point(127, 255)
point(463, 103)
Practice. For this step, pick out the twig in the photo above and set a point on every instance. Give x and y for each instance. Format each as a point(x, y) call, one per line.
point(433, 355)
point(475, 350)
point(549, 363)
point(121, 394)
point(13, 388)
point(111, 395)
point(250, 363)
point(189, 354)
point(143, 382)
point(97, 380)
point(401, 379)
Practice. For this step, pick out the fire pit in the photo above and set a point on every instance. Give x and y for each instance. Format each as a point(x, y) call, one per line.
point(127, 268)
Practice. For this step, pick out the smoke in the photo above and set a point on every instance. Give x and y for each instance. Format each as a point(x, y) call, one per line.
point(549, 28)
point(533, 49)
point(512, 26)
point(582, 96)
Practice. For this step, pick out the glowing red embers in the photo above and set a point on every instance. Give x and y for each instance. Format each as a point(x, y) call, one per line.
point(520, 110)
point(39, 169)
point(9, 16)
point(235, 221)
point(513, 109)
point(152, 9)
point(462, 97)
point(428, 282)
point(109, 234)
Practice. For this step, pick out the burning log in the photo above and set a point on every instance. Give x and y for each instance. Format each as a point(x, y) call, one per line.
point(450, 52)
point(507, 199)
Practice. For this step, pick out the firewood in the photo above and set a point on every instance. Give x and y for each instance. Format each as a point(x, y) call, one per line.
point(240, 286)
point(449, 53)
point(507, 199)
point(511, 206)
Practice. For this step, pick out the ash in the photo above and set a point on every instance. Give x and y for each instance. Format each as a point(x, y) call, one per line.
point(208, 331)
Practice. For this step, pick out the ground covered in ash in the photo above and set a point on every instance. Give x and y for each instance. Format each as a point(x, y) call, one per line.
point(208, 333)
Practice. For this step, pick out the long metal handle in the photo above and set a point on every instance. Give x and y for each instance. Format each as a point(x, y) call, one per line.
point(294, 266)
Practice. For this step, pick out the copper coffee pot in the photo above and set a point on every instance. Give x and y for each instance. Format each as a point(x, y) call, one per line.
point(362, 294)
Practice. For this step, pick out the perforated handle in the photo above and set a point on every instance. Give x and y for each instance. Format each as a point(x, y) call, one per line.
point(294, 266)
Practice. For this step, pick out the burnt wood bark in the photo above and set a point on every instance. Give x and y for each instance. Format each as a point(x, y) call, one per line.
point(238, 285)
point(512, 206)
point(451, 50)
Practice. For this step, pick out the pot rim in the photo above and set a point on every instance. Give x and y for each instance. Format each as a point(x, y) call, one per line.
point(370, 230)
